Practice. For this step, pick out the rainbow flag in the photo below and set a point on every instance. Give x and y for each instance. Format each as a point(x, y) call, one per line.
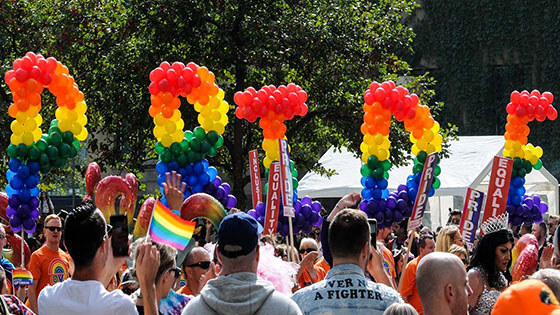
point(22, 277)
point(168, 228)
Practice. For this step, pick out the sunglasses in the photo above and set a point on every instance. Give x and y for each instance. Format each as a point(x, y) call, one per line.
point(53, 228)
point(306, 250)
point(176, 271)
point(201, 264)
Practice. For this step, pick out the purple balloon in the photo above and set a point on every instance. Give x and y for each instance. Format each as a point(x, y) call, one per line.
point(29, 225)
point(217, 181)
point(538, 218)
point(543, 207)
point(15, 224)
point(382, 204)
point(306, 200)
point(537, 199)
point(285, 230)
point(34, 202)
point(408, 212)
point(306, 210)
point(402, 188)
point(388, 215)
point(253, 213)
point(14, 201)
point(314, 218)
point(260, 207)
point(380, 217)
point(231, 201)
point(391, 202)
point(210, 188)
point(529, 202)
point(319, 222)
point(261, 220)
point(401, 205)
point(397, 216)
point(516, 220)
point(403, 195)
point(227, 188)
point(363, 205)
point(297, 206)
point(316, 206)
point(299, 220)
point(220, 193)
point(307, 228)
point(35, 214)
point(10, 211)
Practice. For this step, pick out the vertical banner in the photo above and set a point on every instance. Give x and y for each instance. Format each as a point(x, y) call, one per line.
point(424, 187)
point(471, 214)
point(255, 177)
point(272, 199)
point(498, 188)
point(286, 175)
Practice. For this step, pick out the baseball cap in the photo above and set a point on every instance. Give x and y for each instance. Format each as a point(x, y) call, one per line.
point(238, 235)
point(527, 297)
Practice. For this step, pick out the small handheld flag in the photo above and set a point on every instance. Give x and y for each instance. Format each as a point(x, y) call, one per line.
point(22, 277)
point(168, 228)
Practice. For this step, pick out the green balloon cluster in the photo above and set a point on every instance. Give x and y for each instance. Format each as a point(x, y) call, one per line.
point(375, 168)
point(51, 151)
point(522, 167)
point(196, 145)
point(295, 182)
point(418, 167)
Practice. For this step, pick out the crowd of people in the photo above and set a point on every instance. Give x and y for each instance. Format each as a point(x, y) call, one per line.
point(339, 268)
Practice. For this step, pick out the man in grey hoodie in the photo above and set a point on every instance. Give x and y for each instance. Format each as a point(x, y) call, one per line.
point(238, 289)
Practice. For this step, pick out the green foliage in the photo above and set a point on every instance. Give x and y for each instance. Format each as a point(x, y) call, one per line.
point(480, 51)
point(332, 49)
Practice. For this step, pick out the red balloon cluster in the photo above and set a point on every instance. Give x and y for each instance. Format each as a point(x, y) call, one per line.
point(532, 105)
point(272, 105)
point(395, 98)
point(32, 66)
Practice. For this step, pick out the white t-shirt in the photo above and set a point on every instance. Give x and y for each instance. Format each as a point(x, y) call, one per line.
point(83, 297)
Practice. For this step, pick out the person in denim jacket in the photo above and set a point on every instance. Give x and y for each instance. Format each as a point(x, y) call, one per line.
point(345, 289)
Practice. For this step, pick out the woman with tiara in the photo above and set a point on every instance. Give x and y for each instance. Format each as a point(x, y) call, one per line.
point(488, 271)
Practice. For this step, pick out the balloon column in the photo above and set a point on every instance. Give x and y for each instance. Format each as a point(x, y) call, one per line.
point(30, 151)
point(185, 152)
point(382, 101)
point(523, 108)
point(274, 106)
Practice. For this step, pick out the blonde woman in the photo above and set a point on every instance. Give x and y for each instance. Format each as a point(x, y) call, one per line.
point(460, 252)
point(448, 236)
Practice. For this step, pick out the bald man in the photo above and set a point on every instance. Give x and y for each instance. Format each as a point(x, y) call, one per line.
point(195, 267)
point(443, 285)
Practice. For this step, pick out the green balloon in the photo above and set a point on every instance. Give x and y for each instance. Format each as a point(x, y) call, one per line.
point(372, 161)
point(538, 165)
point(205, 147)
point(34, 153)
point(55, 139)
point(437, 170)
point(513, 173)
point(188, 135)
point(45, 168)
point(42, 144)
point(527, 165)
point(68, 137)
point(191, 156)
point(212, 137)
point(266, 188)
point(159, 147)
point(54, 123)
point(521, 172)
point(417, 169)
point(76, 144)
point(266, 173)
point(436, 183)
point(181, 159)
point(185, 146)
point(212, 152)
point(295, 183)
point(517, 163)
point(195, 144)
point(166, 156)
point(52, 152)
point(386, 165)
point(199, 133)
point(176, 148)
point(53, 129)
point(44, 159)
point(58, 163)
point(292, 165)
point(422, 157)
point(12, 151)
point(386, 175)
point(294, 173)
point(365, 171)
point(377, 173)
point(64, 150)
point(73, 152)
point(21, 150)
point(220, 142)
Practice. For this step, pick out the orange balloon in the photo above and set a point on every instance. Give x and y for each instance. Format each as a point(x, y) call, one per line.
point(13, 111)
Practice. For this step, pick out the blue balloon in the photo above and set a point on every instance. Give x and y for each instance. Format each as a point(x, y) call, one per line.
point(33, 167)
point(205, 163)
point(24, 195)
point(204, 179)
point(384, 193)
point(363, 181)
point(189, 169)
point(14, 164)
point(160, 180)
point(376, 193)
point(23, 172)
point(10, 175)
point(35, 191)
point(382, 183)
point(367, 194)
point(32, 181)
point(516, 200)
point(10, 190)
point(198, 168)
point(183, 172)
point(16, 182)
point(163, 199)
point(212, 172)
point(369, 183)
point(192, 181)
point(197, 189)
point(432, 191)
point(412, 192)
point(161, 168)
point(172, 166)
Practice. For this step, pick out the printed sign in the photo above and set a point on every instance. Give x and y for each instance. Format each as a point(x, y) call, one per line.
point(498, 188)
point(273, 199)
point(286, 175)
point(424, 187)
point(255, 177)
point(471, 214)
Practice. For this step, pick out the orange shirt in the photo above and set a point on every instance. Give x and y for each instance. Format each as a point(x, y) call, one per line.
point(48, 267)
point(305, 279)
point(389, 263)
point(323, 264)
point(185, 290)
point(409, 288)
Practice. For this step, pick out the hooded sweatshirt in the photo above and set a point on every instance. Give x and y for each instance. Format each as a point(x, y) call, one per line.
point(240, 293)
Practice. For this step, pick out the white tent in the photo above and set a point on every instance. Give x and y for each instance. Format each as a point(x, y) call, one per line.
point(469, 165)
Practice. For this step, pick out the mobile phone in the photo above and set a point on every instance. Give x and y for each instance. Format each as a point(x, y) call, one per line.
point(373, 230)
point(119, 233)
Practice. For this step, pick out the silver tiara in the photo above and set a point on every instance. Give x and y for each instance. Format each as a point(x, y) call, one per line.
point(495, 224)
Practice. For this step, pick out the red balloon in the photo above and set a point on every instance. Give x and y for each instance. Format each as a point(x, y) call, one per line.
point(548, 96)
point(188, 74)
point(238, 98)
point(411, 113)
point(380, 94)
point(21, 75)
point(552, 113)
point(520, 111)
point(373, 86)
point(368, 97)
point(524, 99)
point(510, 108)
point(514, 97)
point(533, 100)
point(165, 66)
point(302, 96)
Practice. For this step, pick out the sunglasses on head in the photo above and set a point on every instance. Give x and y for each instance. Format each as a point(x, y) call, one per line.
point(53, 228)
point(306, 250)
point(201, 264)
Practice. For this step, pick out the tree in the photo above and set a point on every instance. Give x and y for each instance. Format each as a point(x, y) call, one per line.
point(332, 49)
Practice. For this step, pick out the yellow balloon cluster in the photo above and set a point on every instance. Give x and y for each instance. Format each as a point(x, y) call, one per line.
point(513, 149)
point(168, 82)
point(377, 145)
point(272, 150)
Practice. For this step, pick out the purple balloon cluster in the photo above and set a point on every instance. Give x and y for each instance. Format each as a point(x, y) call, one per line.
point(306, 211)
point(395, 208)
point(222, 192)
point(530, 211)
point(22, 214)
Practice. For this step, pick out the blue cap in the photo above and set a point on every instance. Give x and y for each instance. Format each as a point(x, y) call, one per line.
point(238, 235)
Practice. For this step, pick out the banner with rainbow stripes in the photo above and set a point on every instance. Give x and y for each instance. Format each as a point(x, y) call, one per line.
point(168, 228)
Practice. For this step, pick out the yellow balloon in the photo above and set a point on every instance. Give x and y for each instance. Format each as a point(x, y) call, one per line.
point(170, 127)
point(224, 107)
point(16, 127)
point(219, 128)
point(506, 153)
point(159, 132)
point(220, 94)
point(430, 148)
point(428, 135)
point(368, 139)
point(65, 125)
point(32, 111)
point(412, 139)
point(176, 115)
point(386, 143)
point(378, 138)
point(30, 125)
point(39, 120)
point(27, 138)
point(364, 147)
point(538, 152)
point(266, 162)
point(82, 120)
point(421, 144)
point(15, 139)
point(414, 150)
point(166, 140)
point(72, 116)
point(216, 116)
point(214, 103)
point(516, 145)
point(21, 117)
point(76, 128)
point(372, 149)
point(365, 157)
point(159, 120)
point(435, 128)
point(178, 136)
point(37, 134)
point(82, 136)
point(198, 107)
point(224, 120)
point(80, 108)
point(382, 154)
